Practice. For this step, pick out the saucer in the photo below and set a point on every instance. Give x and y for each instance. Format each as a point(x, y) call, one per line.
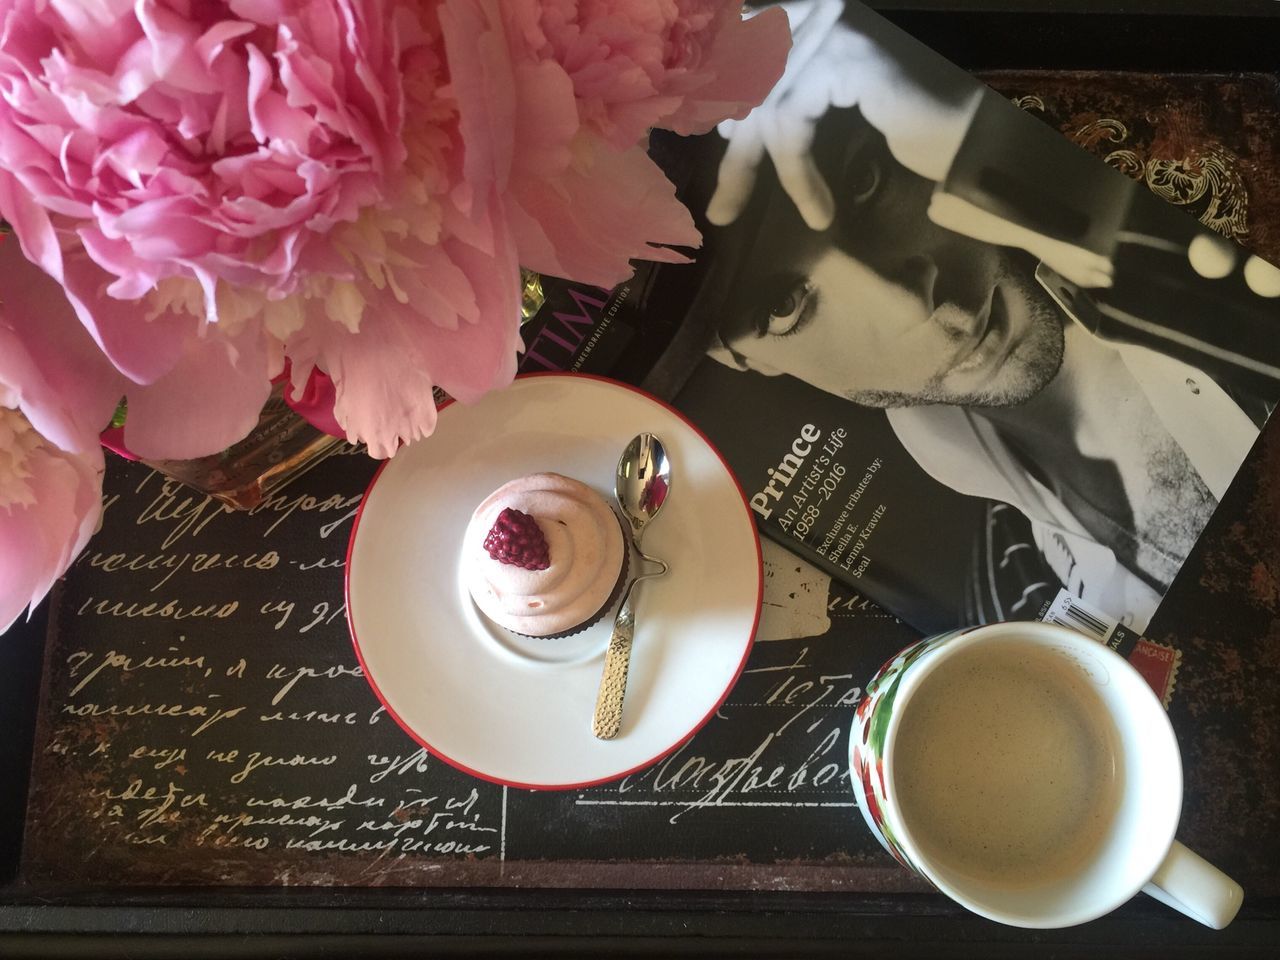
point(517, 710)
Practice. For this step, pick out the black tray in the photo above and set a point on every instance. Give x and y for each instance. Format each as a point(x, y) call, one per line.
point(1215, 599)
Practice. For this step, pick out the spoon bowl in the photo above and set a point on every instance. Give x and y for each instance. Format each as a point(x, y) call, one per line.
point(642, 484)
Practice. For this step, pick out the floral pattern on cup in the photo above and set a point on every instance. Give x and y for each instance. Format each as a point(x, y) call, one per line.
point(867, 740)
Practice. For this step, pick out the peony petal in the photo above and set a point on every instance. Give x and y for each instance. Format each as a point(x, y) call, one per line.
point(143, 350)
point(175, 53)
point(62, 383)
point(481, 73)
point(39, 541)
point(210, 399)
point(593, 221)
point(384, 376)
point(140, 351)
point(746, 58)
point(314, 401)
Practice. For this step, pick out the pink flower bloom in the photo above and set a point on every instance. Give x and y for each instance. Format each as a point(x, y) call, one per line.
point(204, 191)
point(434, 296)
point(199, 140)
point(50, 502)
point(349, 184)
point(556, 99)
point(682, 65)
point(287, 166)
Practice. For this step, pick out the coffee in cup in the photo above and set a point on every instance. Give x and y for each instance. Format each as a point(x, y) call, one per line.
point(1029, 773)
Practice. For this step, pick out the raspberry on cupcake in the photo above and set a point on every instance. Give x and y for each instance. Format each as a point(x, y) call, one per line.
point(515, 538)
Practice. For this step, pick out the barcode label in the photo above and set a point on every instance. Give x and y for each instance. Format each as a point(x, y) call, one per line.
point(1070, 611)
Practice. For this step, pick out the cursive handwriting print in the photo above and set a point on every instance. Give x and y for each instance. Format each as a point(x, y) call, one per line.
point(204, 720)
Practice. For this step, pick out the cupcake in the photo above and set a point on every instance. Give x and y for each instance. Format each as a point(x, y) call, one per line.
point(544, 556)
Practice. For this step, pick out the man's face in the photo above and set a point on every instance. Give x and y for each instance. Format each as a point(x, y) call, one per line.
point(884, 307)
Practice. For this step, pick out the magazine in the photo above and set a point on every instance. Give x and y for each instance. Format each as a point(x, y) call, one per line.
point(954, 361)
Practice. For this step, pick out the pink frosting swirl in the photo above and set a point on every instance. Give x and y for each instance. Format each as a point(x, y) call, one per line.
point(586, 552)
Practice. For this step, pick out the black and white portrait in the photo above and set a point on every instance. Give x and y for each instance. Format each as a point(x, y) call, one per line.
point(1039, 332)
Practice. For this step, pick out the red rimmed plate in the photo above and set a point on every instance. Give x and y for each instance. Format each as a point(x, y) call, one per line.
point(515, 710)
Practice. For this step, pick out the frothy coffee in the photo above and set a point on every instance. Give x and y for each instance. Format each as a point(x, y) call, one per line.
point(1006, 767)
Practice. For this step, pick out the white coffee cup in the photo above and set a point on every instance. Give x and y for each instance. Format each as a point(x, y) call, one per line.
point(1136, 851)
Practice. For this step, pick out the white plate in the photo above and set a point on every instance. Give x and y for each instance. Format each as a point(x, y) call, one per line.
point(518, 711)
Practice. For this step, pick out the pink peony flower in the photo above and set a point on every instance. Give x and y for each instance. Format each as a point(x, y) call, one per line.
point(350, 184)
point(209, 193)
point(683, 65)
point(260, 177)
point(556, 99)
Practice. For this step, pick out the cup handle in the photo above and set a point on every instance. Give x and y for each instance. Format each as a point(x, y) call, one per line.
point(1191, 884)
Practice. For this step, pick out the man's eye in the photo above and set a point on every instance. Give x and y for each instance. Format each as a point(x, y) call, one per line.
point(863, 182)
point(787, 310)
